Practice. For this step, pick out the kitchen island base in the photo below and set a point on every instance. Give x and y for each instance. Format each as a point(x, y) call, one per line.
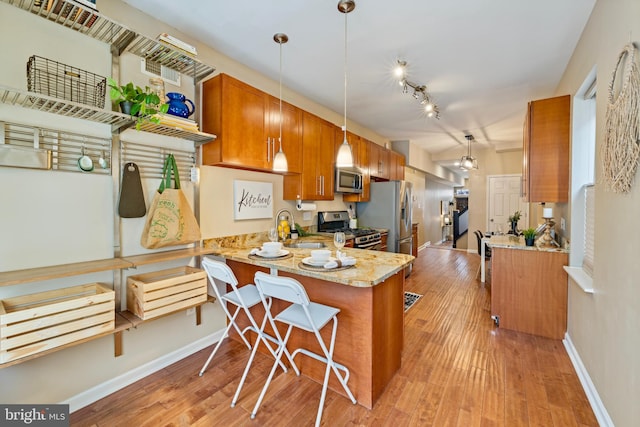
point(370, 332)
point(529, 291)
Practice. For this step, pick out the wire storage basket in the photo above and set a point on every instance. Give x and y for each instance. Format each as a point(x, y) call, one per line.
point(58, 80)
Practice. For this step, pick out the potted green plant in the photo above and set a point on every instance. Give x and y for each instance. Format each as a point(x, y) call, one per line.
point(143, 104)
point(513, 219)
point(529, 236)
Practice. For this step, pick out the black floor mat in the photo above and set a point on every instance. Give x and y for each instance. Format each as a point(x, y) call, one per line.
point(409, 299)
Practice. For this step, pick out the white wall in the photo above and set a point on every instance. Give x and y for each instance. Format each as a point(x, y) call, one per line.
point(604, 326)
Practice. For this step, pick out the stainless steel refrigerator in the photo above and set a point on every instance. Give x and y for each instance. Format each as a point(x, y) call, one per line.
point(390, 208)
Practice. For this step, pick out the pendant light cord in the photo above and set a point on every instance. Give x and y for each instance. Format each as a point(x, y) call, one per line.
point(345, 76)
point(280, 137)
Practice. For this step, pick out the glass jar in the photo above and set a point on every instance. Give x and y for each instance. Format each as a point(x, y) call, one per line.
point(283, 227)
point(157, 86)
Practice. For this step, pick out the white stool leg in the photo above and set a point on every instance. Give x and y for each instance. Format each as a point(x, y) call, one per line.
point(246, 371)
point(225, 335)
point(265, 338)
point(281, 350)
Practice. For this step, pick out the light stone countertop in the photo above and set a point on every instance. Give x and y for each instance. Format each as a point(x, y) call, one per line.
point(372, 267)
point(512, 242)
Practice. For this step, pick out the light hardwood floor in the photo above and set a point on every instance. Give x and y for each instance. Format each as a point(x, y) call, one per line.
point(458, 369)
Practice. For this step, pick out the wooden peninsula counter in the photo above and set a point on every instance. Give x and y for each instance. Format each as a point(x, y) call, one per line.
point(528, 287)
point(370, 297)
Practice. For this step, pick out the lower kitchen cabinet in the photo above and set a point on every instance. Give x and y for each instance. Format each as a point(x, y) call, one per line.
point(383, 241)
point(529, 291)
point(414, 240)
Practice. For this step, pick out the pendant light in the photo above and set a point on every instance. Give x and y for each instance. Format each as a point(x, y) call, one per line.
point(280, 160)
point(345, 156)
point(468, 162)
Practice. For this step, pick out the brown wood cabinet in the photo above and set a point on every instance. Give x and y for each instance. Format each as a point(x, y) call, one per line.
point(383, 241)
point(396, 166)
point(378, 161)
point(414, 240)
point(246, 122)
point(360, 150)
point(546, 150)
point(318, 159)
point(529, 291)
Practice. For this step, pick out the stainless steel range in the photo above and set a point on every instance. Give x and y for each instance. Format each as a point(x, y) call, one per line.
point(363, 238)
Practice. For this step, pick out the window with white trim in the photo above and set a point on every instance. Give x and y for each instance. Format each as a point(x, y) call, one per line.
point(589, 229)
point(583, 148)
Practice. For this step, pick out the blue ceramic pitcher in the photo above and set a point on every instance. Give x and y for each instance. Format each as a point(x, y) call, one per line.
point(178, 105)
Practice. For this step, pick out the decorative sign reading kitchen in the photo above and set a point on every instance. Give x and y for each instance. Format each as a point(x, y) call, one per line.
point(252, 199)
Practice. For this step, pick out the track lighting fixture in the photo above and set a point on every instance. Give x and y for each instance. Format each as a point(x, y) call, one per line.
point(419, 91)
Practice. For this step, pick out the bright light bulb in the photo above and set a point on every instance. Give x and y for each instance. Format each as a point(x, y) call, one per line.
point(430, 114)
point(428, 107)
point(400, 69)
point(344, 158)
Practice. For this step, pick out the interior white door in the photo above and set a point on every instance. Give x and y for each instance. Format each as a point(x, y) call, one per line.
point(503, 200)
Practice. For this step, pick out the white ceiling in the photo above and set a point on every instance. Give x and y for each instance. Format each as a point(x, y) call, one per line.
point(481, 60)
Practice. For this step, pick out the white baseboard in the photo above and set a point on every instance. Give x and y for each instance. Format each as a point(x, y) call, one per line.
point(96, 393)
point(597, 406)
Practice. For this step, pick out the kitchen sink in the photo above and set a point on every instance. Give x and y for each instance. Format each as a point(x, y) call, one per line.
point(305, 245)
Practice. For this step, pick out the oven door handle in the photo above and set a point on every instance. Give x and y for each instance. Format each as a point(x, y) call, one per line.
point(369, 244)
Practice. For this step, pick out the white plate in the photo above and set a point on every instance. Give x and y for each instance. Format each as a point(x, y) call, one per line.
point(310, 261)
point(264, 254)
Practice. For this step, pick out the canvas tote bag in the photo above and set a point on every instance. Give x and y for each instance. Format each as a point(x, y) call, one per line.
point(170, 220)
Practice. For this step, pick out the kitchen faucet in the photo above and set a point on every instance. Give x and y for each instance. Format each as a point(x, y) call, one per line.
point(292, 221)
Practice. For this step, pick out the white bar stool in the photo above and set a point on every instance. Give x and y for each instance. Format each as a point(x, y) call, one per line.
point(243, 298)
point(308, 316)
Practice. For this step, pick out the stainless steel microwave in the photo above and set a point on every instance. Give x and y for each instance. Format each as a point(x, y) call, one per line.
point(348, 180)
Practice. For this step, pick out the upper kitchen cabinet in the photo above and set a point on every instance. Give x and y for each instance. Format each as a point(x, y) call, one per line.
point(396, 166)
point(378, 161)
point(246, 123)
point(360, 149)
point(316, 180)
point(546, 150)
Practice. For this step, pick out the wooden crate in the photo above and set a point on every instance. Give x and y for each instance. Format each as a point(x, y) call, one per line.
point(155, 294)
point(34, 323)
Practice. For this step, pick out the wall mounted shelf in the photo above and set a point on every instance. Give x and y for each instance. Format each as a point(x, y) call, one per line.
point(35, 101)
point(18, 277)
point(197, 137)
point(47, 104)
point(92, 23)
point(124, 321)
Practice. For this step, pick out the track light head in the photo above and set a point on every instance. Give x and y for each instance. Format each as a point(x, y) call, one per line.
point(419, 91)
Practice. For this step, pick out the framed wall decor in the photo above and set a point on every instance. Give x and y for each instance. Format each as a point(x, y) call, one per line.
point(252, 200)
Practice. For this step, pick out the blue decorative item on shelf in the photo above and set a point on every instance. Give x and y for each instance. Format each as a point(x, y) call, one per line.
point(178, 105)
